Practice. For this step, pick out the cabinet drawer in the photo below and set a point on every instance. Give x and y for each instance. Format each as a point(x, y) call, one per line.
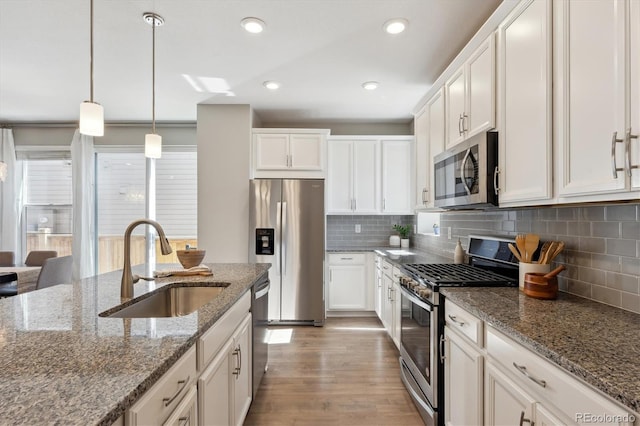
point(463, 322)
point(158, 403)
point(548, 381)
point(347, 258)
point(387, 268)
point(187, 412)
point(212, 340)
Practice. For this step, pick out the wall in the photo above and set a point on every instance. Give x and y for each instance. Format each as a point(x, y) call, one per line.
point(224, 141)
point(375, 230)
point(602, 244)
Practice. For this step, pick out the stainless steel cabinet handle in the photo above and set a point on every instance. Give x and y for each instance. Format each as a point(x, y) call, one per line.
point(442, 357)
point(392, 295)
point(384, 204)
point(460, 131)
point(523, 420)
point(184, 421)
point(627, 147)
point(424, 195)
point(346, 258)
point(388, 293)
point(464, 120)
point(614, 168)
point(496, 187)
point(168, 401)
point(355, 204)
point(463, 177)
point(237, 353)
point(240, 359)
point(523, 370)
point(456, 320)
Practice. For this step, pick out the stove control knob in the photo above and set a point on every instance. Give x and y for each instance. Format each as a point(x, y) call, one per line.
point(425, 293)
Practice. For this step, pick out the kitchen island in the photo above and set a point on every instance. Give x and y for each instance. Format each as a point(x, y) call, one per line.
point(62, 363)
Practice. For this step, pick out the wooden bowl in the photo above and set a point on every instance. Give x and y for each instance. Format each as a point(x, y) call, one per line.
point(190, 258)
point(539, 287)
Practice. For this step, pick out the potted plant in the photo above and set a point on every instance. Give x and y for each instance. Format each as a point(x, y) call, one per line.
point(403, 231)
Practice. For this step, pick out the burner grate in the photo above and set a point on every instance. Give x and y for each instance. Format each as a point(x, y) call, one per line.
point(455, 274)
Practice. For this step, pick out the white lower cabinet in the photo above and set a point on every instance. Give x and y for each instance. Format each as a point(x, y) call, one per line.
point(391, 302)
point(463, 380)
point(224, 388)
point(347, 289)
point(377, 290)
point(159, 403)
point(503, 383)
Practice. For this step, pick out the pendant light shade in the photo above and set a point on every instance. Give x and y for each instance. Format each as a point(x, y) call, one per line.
point(91, 113)
point(91, 119)
point(153, 141)
point(152, 145)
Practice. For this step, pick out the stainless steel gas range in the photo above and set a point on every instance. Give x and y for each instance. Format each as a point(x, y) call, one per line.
point(422, 327)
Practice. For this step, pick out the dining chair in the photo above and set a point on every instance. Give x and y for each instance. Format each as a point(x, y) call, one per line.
point(8, 284)
point(37, 257)
point(55, 270)
point(7, 258)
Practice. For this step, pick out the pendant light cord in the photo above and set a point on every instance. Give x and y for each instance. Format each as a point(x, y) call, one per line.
point(153, 75)
point(91, 51)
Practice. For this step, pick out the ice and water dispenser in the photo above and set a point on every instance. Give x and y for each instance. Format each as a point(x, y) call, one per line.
point(265, 240)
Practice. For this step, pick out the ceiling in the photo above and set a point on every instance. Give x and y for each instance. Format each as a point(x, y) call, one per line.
point(321, 51)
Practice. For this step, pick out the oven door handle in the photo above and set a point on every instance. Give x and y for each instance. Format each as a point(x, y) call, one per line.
point(415, 300)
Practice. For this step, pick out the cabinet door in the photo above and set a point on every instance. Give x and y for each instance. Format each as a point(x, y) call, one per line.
point(366, 186)
point(422, 158)
point(545, 418)
point(589, 44)
point(397, 177)
point(455, 104)
point(436, 134)
point(387, 313)
point(505, 402)
point(525, 142)
point(215, 389)
point(378, 292)
point(241, 371)
point(347, 287)
point(340, 177)
point(634, 91)
point(271, 151)
point(305, 151)
point(463, 381)
point(480, 110)
point(396, 309)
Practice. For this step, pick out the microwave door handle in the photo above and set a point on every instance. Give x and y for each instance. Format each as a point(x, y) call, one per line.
point(462, 175)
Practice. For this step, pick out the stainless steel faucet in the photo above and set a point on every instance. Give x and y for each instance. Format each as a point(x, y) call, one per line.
point(128, 279)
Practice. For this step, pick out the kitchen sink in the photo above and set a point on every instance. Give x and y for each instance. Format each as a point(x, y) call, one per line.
point(168, 301)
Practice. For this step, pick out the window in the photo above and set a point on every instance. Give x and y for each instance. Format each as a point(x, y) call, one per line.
point(47, 205)
point(120, 178)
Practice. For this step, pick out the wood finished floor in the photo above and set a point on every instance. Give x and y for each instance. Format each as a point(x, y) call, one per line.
point(345, 373)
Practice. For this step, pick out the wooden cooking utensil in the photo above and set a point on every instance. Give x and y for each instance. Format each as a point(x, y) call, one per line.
point(559, 247)
point(515, 252)
point(531, 243)
point(543, 252)
point(520, 244)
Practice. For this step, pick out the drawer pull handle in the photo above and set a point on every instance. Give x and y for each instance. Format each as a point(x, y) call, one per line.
point(238, 369)
point(346, 258)
point(168, 401)
point(523, 370)
point(523, 420)
point(442, 357)
point(184, 421)
point(456, 320)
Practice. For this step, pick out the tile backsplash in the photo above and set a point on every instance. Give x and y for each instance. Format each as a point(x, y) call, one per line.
point(601, 251)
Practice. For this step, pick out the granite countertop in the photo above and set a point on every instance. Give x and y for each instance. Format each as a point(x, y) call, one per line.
point(62, 363)
point(598, 343)
point(416, 256)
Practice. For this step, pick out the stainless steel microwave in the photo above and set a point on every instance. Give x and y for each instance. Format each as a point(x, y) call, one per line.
point(465, 176)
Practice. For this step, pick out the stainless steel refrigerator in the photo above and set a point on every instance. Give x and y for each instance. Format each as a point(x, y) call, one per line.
point(286, 221)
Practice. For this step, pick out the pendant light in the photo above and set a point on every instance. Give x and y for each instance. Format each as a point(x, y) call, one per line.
point(153, 141)
point(91, 113)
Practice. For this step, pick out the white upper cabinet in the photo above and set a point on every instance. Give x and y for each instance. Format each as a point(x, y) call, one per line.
point(470, 95)
point(353, 176)
point(289, 153)
point(429, 130)
point(596, 99)
point(524, 104)
point(397, 176)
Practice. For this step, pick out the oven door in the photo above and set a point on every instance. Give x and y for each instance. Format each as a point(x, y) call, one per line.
point(419, 344)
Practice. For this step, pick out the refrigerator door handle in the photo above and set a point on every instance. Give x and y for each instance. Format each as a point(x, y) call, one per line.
point(278, 245)
point(283, 212)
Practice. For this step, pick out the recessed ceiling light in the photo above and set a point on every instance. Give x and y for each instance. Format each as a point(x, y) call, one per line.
point(396, 26)
point(271, 85)
point(253, 25)
point(370, 85)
